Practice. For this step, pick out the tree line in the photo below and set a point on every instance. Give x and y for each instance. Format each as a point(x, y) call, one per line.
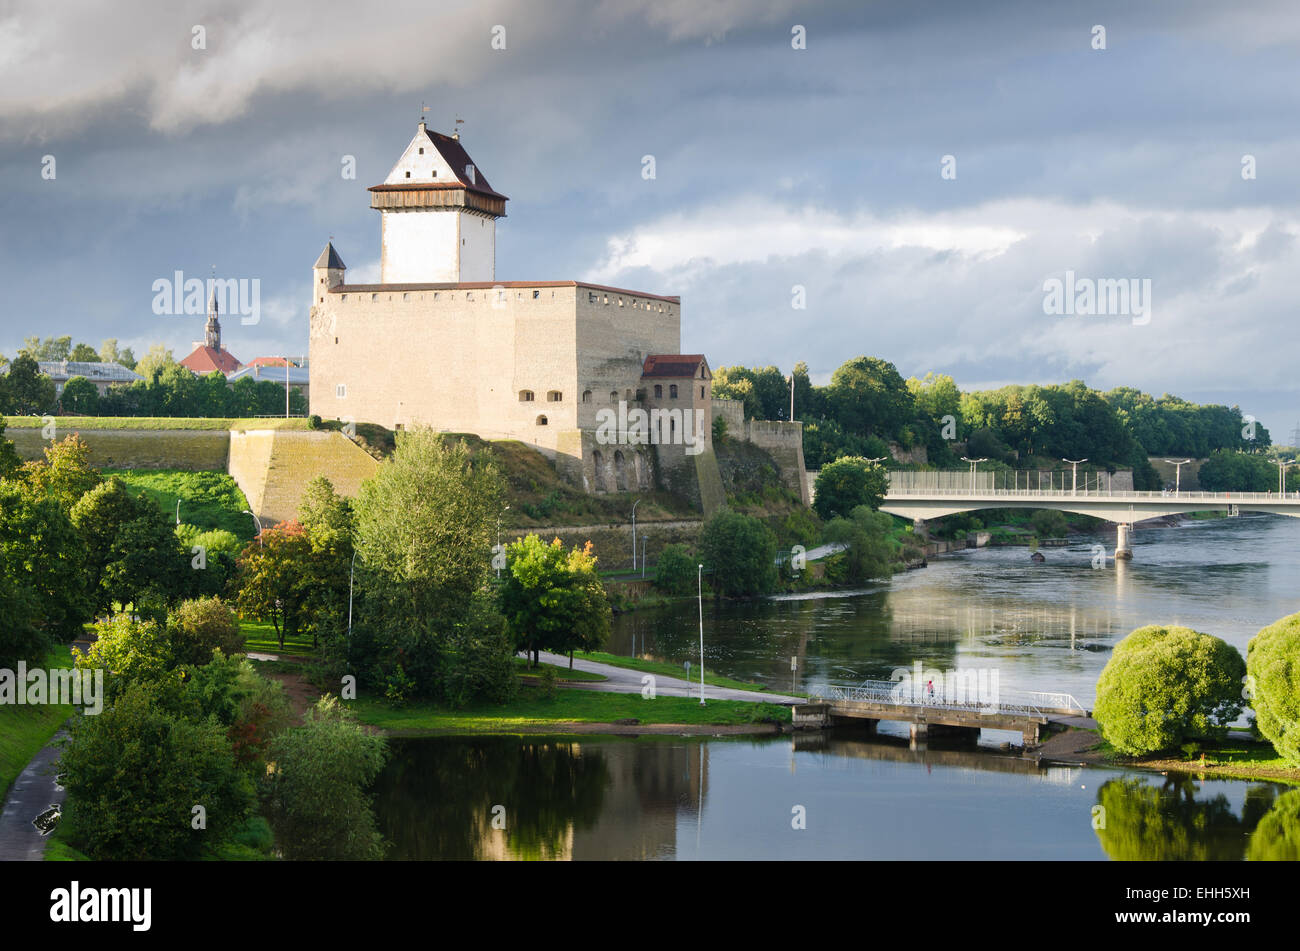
point(868, 404)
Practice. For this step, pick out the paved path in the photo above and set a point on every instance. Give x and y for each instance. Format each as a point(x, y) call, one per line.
point(32, 793)
point(625, 680)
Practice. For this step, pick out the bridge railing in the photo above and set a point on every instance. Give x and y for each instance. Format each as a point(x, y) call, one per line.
point(999, 703)
point(904, 493)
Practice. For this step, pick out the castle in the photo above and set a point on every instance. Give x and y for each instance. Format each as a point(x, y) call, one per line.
point(589, 375)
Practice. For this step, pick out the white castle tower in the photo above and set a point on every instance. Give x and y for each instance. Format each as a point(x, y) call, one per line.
point(438, 215)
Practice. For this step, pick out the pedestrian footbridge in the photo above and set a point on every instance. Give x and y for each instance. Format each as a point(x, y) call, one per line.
point(936, 710)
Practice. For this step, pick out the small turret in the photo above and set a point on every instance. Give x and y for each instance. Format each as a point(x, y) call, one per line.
point(328, 269)
point(212, 331)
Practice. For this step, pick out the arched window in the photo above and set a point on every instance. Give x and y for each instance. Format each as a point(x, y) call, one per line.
point(554, 396)
point(701, 392)
point(613, 396)
point(598, 470)
point(525, 396)
point(586, 396)
point(672, 391)
point(541, 420)
point(659, 392)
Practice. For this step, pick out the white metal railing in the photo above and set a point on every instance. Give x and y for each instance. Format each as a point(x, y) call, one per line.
point(1094, 494)
point(904, 694)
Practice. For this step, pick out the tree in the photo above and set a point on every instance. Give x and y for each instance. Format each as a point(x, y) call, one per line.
point(1231, 471)
point(158, 359)
point(43, 591)
point(134, 651)
point(870, 552)
point(847, 483)
point(80, 396)
point(739, 553)
point(425, 521)
point(273, 578)
point(675, 571)
point(84, 353)
point(1273, 676)
point(9, 458)
point(133, 775)
point(29, 390)
point(552, 599)
point(66, 473)
point(328, 521)
point(1164, 685)
point(133, 553)
point(54, 349)
point(315, 792)
point(867, 395)
point(203, 625)
point(1277, 837)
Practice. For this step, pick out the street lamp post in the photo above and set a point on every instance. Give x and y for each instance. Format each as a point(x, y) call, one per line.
point(498, 551)
point(1281, 475)
point(1178, 473)
point(699, 589)
point(351, 568)
point(644, 538)
point(634, 505)
point(259, 525)
point(1074, 468)
point(973, 464)
point(178, 511)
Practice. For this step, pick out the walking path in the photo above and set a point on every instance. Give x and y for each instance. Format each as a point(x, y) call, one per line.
point(625, 680)
point(34, 791)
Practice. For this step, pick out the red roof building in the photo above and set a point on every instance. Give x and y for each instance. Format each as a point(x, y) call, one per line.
point(210, 355)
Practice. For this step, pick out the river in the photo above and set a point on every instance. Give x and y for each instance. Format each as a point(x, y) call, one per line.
point(846, 795)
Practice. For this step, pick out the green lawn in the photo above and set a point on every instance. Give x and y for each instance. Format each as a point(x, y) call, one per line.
point(208, 499)
point(158, 422)
point(259, 636)
point(25, 729)
point(561, 672)
point(665, 669)
point(569, 706)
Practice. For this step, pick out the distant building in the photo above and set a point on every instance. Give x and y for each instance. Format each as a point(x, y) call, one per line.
point(103, 375)
point(299, 377)
point(208, 354)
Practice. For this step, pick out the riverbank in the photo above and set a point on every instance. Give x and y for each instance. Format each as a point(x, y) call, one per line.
point(1229, 760)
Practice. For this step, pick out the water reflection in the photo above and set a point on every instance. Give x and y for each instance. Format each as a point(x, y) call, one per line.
point(864, 797)
point(1044, 627)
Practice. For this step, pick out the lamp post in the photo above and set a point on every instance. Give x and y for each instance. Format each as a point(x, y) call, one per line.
point(973, 464)
point(644, 538)
point(634, 505)
point(1074, 468)
point(699, 590)
point(498, 551)
point(351, 568)
point(1281, 474)
point(259, 525)
point(178, 511)
point(1178, 473)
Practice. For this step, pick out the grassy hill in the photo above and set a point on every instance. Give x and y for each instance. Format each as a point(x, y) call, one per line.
point(73, 423)
point(208, 499)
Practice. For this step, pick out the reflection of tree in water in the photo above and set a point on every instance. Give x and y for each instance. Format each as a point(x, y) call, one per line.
point(435, 798)
point(1277, 837)
point(1146, 822)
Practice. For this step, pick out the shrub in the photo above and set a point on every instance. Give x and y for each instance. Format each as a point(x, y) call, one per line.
point(848, 482)
point(546, 681)
point(1169, 685)
point(200, 626)
point(1050, 523)
point(1273, 666)
point(134, 773)
point(135, 651)
point(675, 571)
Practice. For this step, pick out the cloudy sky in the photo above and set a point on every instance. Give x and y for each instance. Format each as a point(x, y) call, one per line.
point(820, 167)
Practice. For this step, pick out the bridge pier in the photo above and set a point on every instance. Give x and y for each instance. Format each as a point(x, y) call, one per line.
point(1122, 550)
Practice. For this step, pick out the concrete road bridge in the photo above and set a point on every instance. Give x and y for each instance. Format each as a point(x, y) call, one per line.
point(936, 712)
point(921, 495)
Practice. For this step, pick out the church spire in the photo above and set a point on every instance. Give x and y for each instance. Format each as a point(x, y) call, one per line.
point(212, 332)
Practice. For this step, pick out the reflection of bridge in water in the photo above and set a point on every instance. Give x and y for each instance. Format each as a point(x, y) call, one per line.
point(923, 495)
point(886, 749)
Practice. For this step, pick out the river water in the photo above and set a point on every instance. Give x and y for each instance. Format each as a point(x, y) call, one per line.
point(846, 795)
